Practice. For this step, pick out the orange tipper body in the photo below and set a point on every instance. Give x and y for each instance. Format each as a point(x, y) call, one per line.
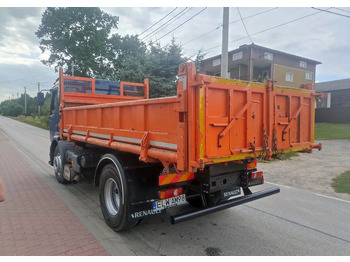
point(211, 120)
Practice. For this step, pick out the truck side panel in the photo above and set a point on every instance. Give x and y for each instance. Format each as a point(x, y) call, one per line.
point(132, 126)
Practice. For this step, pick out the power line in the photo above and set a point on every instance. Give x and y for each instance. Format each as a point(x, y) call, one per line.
point(203, 35)
point(250, 16)
point(172, 21)
point(229, 23)
point(326, 10)
point(183, 23)
point(340, 9)
point(20, 79)
point(158, 21)
point(244, 25)
point(164, 25)
point(268, 29)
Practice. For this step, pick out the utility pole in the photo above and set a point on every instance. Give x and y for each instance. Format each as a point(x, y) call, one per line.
point(37, 97)
point(72, 68)
point(25, 101)
point(224, 52)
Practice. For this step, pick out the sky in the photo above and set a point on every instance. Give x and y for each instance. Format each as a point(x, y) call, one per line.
point(301, 30)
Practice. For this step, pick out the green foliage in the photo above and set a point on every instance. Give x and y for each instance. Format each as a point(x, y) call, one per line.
point(341, 183)
point(11, 108)
point(78, 35)
point(15, 107)
point(158, 64)
point(82, 36)
point(42, 122)
point(199, 57)
point(45, 109)
point(331, 131)
point(285, 156)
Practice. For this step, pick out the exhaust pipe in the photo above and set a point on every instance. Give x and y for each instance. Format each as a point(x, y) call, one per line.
point(70, 175)
point(231, 203)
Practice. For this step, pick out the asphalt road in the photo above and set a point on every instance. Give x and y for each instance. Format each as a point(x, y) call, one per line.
point(293, 222)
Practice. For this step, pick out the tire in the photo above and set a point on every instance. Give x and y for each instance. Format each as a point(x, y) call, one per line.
point(113, 198)
point(58, 166)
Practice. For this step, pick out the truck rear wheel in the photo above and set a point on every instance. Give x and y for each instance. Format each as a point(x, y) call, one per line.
point(113, 198)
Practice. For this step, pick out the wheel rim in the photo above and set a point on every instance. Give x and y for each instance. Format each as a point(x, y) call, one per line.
point(57, 164)
point(112, 196)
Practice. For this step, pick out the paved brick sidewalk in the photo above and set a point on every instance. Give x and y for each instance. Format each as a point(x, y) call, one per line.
point(33, 219)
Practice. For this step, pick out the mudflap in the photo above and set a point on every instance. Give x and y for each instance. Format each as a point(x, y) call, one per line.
point(139, 211)
point(143, 190)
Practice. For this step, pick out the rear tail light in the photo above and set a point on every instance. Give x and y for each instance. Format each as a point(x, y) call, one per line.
point(172, 192)
point(257, 175)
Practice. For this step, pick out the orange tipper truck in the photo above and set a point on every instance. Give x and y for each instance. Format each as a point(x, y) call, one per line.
point(199, 147)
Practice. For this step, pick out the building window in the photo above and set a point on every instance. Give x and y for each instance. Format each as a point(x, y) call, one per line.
point(237, 56)
point(303, 64)
point(216, 62)
point(268, 56)
point(308, 75)
point(328, 100)
point(289, 77)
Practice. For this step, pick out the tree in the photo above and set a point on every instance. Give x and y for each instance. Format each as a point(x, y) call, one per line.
point(78, 36)
point(159, 64)
point(45, 109)
point(199, 57)
point(11, 108)
point(163, 63)
point(81, 36)
point(130, 56)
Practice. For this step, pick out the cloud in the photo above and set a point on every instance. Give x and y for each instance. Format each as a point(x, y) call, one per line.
point(27, 72)
point(321, 36)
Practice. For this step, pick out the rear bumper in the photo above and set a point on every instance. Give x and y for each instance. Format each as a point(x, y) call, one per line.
point(230, 203)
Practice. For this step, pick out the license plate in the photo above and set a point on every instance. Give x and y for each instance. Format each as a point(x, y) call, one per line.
point(169, 202)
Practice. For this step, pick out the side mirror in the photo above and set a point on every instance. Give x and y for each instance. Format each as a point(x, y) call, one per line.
point(41, 99)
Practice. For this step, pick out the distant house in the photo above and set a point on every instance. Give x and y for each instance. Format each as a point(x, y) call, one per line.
point(257, 63)
point(334, 106)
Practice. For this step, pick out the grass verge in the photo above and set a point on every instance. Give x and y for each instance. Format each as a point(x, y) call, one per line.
point(285, 156)
point(42, 122)
point(330, 131)
point(341, 183)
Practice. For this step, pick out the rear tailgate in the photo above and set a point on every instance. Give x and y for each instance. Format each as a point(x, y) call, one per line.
point(234, 120)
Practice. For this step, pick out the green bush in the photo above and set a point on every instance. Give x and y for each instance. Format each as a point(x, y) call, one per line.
point(341, 183)
point(332, 131)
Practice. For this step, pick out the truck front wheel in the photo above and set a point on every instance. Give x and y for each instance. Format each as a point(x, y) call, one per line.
point(113, 198)
point(58, 166)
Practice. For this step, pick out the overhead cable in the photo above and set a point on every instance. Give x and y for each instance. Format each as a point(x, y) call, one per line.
point(165, 24)
point(340, 9)
point(244, 25)
point(158, 21)
point(326, 10)
point(270, 28)
point(220, 25)
point(183, 23)
point(20, 79)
